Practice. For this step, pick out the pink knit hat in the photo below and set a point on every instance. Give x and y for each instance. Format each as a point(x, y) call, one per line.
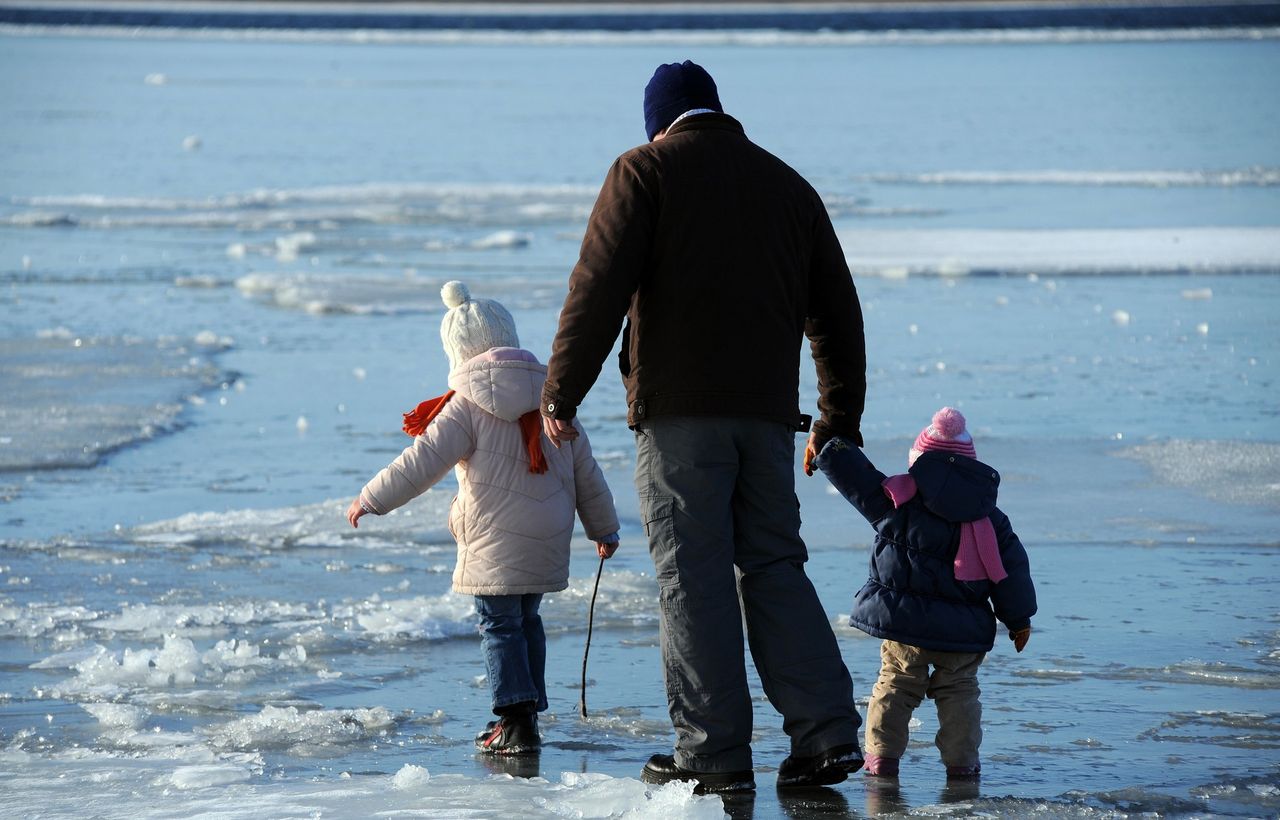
point(947, 433)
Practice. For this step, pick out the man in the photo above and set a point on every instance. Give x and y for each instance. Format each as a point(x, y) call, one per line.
point(721, 258)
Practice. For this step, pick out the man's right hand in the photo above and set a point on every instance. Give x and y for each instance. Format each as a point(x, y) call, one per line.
point(559, 430)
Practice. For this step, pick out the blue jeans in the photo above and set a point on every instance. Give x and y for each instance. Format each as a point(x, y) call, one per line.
point(718, 500)
point(515, 649)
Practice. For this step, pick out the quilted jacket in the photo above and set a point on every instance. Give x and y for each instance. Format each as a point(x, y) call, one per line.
point(913, 596)
point(513, 527)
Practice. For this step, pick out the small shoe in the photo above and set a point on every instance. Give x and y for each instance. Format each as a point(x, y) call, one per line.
point(964, 772)
point(878, 766)
point(825, 769)
point(510, 735)
point(664, 769)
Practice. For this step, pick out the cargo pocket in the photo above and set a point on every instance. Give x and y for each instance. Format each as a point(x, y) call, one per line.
point(659, 513)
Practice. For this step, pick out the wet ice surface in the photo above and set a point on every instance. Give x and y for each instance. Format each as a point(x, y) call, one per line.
point(277, 658)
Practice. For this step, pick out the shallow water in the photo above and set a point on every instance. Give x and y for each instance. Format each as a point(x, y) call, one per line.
point(207, 344)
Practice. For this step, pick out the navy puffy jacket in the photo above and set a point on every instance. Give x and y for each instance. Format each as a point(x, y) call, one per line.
point(913, 596)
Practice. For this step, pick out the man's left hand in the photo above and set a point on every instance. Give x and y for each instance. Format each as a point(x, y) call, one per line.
point(559, 430)
point(811, 449)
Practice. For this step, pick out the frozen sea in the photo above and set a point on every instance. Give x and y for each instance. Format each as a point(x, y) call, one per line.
point(220, 259)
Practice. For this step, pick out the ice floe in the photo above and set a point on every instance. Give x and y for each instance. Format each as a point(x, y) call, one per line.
point(945, 251)
point(73, 399)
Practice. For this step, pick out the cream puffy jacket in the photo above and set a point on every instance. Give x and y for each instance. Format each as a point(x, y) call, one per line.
point(513, 527)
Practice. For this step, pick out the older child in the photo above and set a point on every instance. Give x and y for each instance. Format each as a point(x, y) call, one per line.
point(945, 565)
point(513, 516)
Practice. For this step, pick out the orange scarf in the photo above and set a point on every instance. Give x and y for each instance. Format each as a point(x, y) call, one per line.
point(531, 430)
point(417, 419)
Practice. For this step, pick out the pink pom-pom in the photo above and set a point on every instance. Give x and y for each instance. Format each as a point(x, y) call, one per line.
point(948, 422)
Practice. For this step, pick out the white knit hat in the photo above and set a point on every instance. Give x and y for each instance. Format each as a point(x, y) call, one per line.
point(472, 326)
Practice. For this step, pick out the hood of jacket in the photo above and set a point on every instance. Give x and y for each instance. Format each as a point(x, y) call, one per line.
point(955, 487)
point(505, 382)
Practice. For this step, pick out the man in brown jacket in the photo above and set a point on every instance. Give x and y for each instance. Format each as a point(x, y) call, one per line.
point(721, 258)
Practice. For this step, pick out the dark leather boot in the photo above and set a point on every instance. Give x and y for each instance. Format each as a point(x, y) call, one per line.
point(664, 769)
point(825, 769)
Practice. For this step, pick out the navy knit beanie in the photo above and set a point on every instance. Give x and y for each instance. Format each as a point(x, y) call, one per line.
point(675, 89)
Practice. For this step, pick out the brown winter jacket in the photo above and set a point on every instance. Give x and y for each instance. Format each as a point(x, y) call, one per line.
point(721, 257)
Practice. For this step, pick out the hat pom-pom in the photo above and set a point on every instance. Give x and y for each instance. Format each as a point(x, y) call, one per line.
point(948, 422)
point(454, 294)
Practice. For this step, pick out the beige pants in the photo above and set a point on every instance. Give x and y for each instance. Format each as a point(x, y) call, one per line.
point(905, 680)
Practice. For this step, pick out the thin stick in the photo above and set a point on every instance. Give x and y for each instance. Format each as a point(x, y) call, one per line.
point(591, 611)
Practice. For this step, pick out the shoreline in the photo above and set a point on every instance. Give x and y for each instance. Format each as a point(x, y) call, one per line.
point(590, 15)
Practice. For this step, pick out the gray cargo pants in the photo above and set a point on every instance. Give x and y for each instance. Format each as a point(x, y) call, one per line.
point(715, 494)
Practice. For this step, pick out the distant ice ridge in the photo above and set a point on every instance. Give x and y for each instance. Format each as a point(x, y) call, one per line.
point(358, 293)
point(360, 193)
point(533, 201)
point(39, 219)
point(1231, 178)
point(758, 38)
point(338, 294)
point(408, 202)
point(897, 253)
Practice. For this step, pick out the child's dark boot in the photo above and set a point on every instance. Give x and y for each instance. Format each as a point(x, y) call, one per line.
point(515, 732)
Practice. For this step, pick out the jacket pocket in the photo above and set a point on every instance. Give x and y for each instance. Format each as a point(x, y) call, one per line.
point(453, 515)
point(659, 514)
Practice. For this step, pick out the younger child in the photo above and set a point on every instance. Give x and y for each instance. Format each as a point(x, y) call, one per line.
point(944, 557)
point(513, 516)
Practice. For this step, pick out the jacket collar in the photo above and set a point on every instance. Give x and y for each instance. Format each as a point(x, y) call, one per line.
point(706, 122)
